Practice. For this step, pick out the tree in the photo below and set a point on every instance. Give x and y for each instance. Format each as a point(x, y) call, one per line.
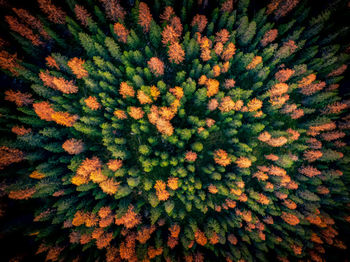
point(145, 16)
point(176, 53)
point(73, 146)
point(77, 67)
point(54, 13)
point(156, 66)
point(121, 32)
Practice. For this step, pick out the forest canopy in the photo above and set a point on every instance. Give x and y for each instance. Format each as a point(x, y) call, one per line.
point(175, 130)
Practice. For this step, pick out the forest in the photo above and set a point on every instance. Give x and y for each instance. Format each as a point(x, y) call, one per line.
point(164, 130)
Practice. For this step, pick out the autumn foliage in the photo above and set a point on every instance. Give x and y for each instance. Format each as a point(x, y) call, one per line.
point(73, 146)
point(156, 66)
point(19, 98)
point(145, 16)
point(9, 156)
point(77, 66)
point(221, 157)
point(176, 53)
point(121, 32)
point(92, 103)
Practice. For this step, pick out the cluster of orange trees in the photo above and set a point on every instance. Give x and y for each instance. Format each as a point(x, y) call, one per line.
point(176, 130)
